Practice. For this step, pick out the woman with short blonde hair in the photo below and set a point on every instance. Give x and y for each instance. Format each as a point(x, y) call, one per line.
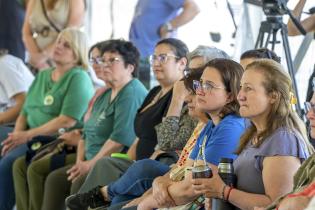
point(57, 98)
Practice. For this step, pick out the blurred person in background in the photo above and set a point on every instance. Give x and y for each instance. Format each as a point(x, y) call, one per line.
point(155, 20)
point(15, 79)
point(43, 22)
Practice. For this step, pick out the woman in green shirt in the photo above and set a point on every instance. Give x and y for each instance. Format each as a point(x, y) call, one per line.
point(57, 98)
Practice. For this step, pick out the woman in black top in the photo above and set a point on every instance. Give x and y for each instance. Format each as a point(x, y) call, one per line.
point(168, 62)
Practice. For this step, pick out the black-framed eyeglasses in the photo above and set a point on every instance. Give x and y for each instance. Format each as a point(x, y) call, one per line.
point(162, 58)
point(309, 106)
point(204, 86)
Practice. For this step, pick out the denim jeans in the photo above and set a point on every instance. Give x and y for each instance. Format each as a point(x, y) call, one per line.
point(137, 179)
point(7, 198)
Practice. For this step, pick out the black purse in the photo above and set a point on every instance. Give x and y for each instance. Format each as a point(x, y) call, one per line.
point(48, 147)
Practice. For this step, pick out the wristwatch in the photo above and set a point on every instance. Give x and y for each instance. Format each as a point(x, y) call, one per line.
point(169, 27)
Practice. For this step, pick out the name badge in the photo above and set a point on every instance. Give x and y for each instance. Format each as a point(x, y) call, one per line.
point(49, 100)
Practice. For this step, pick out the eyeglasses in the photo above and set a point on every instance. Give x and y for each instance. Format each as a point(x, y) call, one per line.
point(162, 58)
point(309, 106)
point(96, 60)
point(100, 61)
point(204, 86)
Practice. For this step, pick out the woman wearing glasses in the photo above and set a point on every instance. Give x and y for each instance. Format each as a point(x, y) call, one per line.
point(272, 148)
point(171, 135)
point(115, 64)
point(216, 95)
point(107, 129)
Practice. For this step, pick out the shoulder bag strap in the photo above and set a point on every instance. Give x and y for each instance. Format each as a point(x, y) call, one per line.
point(49, 20)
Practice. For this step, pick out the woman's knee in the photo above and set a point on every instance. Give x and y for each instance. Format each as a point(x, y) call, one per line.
point(19, 167)
point(38, 168)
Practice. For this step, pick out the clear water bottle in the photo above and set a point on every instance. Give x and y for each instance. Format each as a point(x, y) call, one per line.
point(200, 168)
point(226, 172)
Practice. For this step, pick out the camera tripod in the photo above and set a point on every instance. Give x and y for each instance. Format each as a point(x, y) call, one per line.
point(271, 27)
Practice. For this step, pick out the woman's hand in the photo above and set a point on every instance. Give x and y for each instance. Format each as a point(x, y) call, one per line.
point(179, 91)
point(38, 60)
point(210, 187)
point(160, 192)
point(14, 140)
point(71, 138)
point(146, 204)
point(79, 169)
point(134, 202)
point(294, 203)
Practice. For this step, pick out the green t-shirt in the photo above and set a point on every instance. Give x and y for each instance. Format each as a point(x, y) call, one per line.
point(68, 96)
point(113, 120)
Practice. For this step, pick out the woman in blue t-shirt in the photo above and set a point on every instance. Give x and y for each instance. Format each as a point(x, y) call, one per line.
point(272, 148)
point(216, 94)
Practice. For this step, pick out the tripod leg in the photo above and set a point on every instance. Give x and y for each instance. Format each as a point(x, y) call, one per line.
point(259, 39)
point(274, 39)
point(267, 40)
point(285, 42)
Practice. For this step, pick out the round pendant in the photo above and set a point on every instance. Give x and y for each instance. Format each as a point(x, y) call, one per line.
point(35, 146)
point(49, 100)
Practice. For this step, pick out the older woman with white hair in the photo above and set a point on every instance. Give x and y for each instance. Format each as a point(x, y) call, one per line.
point(57, 98)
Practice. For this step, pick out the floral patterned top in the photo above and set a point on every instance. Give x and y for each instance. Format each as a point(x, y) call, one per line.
point(174, 132)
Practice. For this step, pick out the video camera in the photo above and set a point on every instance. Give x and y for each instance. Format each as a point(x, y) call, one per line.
point(271, 7)
point(274, 7)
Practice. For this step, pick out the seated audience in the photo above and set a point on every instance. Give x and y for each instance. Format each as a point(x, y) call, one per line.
point(216, 95)
point(169, 63)
point(272, 148)
point(57, 98)
point(15, 79)
point(109, 128)
point(197, 58)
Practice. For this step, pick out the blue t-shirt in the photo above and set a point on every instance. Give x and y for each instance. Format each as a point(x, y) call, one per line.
point(149, 16)
point(222, 139)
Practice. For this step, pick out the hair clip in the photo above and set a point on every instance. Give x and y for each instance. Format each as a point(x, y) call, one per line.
point(293, 99)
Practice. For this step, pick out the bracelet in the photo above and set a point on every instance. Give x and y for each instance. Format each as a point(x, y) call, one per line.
point(229, 192)
point(223, 190)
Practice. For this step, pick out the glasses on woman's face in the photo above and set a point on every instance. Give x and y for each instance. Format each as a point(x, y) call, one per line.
point(106, 63)
point(309, 106)
point(204, 86)
point(162, 58)
point(94, 61)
